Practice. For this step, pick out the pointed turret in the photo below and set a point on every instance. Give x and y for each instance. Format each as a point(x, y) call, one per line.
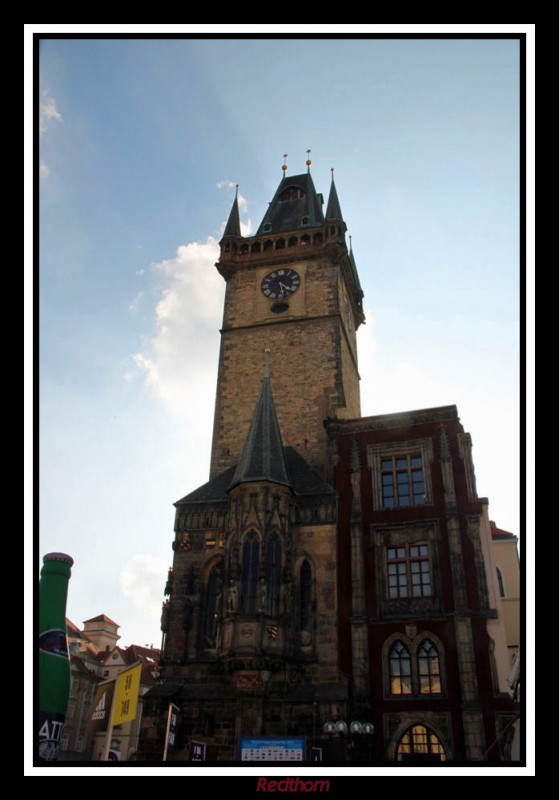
point(263, 457)
point(233, 227)
point(333, 210)
point(354, 269)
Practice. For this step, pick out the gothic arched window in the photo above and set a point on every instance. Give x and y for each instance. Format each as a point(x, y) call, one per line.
point(213, 597)
point(429, 668)
point(249, 575)
point(420, 744)
point(400, 669)
point(306, 596)
point(273, 571)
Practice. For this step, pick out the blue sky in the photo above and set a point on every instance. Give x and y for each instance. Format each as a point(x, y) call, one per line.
point(141, 144)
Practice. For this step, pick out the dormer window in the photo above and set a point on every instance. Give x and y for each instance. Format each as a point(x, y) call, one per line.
point(305, 220)
point(267, 227)
point(291, 193)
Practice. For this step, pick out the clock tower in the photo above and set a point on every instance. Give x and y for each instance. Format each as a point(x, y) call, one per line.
point(292, 288)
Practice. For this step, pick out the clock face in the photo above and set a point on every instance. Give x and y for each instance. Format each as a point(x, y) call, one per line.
point(281, 283)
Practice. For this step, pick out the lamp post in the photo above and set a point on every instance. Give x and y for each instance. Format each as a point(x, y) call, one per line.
point(355, 734)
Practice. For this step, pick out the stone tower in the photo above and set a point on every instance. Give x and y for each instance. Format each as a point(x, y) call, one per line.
point(250, 622)
point(293, 288)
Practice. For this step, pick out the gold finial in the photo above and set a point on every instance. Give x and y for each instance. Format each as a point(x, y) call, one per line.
point(267, 370)
point(308, 161)
point(284, 167)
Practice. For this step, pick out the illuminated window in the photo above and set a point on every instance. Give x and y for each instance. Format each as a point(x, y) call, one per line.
point(419, 743)
point(428, 668)
point(409, 571)
point(400, 669)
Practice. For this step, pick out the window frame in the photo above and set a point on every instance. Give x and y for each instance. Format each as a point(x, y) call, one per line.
point(408, 560)
point(413, 648)
point(376, 453)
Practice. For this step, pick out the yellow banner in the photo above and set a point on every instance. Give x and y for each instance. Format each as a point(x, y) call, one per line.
point(126, 696)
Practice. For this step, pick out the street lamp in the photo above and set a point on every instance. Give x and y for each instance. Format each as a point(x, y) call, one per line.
point(358, 732)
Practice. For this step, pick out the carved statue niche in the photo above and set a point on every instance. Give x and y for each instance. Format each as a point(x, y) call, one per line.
point(232, 595)
point(262, 594)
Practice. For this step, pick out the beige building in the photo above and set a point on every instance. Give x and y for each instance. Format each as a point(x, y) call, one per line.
point(505, 549)
point(95, 656)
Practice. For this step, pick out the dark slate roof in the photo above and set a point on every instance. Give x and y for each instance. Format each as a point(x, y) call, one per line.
point(262, 458)
point(354, 269)
point(286, 215)
point(233, 227)
point(302, 478)
point(102, 618)
point(333, 209)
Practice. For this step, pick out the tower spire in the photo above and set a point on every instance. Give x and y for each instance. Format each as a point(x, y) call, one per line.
point(233, 227)
point(333, 209)
point(262, 458)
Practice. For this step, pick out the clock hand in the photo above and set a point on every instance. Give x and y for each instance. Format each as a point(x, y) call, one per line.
point(283, 287)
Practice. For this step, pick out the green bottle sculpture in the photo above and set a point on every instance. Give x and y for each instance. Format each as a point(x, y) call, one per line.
point(54, 661)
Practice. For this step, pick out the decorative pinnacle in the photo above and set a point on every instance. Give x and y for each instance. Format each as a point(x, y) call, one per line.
point(308, 161)
point(284, 166)
point(332, 171)
point(267, 351)
point(350, 237)
point(236, 189)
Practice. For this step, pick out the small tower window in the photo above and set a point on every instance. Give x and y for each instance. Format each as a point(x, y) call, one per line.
point(501, 583)
point(305, 220)
point(292, 241)
point(268, 245)
point(255, 248)
point(267, 227)
point(280, 244)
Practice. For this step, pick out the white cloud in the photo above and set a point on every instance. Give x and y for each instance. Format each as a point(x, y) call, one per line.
point(44, 170)
point(180, 362)
point(142, 580)
point(48, 112)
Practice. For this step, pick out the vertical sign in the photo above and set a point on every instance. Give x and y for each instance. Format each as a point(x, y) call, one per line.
point(171, 729)
point(197, 751)
point(126, 696)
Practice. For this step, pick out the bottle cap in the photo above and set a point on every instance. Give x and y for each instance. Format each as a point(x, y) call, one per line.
point(66, 559)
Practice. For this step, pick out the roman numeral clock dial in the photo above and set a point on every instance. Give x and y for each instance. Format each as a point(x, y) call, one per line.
point(279, 286)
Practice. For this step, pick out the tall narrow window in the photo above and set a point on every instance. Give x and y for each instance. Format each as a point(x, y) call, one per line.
point(273, 571)
point(429, 668)
point(213, 596)
point(420, 744)
point(501, 583)
point(306, 596)
point(249, 583)
point(400, 669)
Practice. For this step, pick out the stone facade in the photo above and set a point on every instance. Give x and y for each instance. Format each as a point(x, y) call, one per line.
point(333, 567)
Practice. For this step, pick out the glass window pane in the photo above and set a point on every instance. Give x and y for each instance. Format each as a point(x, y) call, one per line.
point(402, 477)
point(388, 491)
point(415, 566)
point(417, 474)
point(403, 591)
point(419, 499)
point(391, 552)
point(419, 487)
point(401, 568)
point(404, 501)
point(389, 502)
point(427, 590)
point(401, 552)
point(404, 490)
point(392, 569)
point(416, 591)
point(386, 463)
point(393, 592)
point(416, 461)
point(424, 550)
point(424, 566)
point(436, 685)
point(414, 551)
point(387, 480)
point(401, 462)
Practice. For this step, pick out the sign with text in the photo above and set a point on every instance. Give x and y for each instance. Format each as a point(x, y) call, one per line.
point(197, 751)
point(126, 699)
point(101, 707)
point(272, 749)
